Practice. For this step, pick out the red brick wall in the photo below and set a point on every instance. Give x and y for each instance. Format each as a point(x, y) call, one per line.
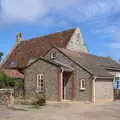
point(59, 85)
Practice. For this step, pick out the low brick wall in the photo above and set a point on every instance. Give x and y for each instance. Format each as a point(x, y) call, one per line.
point(6, 96)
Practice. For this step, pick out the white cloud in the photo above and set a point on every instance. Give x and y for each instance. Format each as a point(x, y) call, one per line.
point(34, 9)
point(88, 9)
point(21, 10)
point(30, 10)
point(64, 12)
point(101, 17)
point(24, 10)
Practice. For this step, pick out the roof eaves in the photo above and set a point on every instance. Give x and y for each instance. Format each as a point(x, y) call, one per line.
point(112, 68)
point(105, 77)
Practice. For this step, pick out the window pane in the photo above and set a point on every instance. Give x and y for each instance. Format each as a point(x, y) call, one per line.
point(42, 77)
point(82, 83)
point(42, 81)
point(116, 78)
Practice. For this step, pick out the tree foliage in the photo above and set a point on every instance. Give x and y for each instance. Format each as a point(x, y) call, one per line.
point(3, 80)
point(1, 54)
point(7, 82)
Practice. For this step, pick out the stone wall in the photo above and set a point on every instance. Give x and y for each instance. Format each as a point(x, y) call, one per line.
point(6, 96)
point(50, 73)
point(79, 73)
point(51, 79)
point(77, 43)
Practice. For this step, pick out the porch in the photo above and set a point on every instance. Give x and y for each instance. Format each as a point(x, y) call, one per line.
point(66, 85)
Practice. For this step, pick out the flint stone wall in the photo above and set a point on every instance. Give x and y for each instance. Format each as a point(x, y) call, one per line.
point(6, 96)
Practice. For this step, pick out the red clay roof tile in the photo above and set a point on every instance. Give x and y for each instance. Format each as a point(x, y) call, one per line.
point(36, 47)
point(13, 73)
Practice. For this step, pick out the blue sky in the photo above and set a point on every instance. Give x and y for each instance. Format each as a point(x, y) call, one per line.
point(99, 21)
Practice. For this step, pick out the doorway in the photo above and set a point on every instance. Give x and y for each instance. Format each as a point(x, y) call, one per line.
point(66, 85)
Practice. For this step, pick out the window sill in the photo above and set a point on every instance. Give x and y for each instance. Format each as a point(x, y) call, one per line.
point(38, 91)
point(82, 89)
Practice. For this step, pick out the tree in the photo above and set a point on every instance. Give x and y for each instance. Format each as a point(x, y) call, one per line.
point(1, 54)
point(4, 80)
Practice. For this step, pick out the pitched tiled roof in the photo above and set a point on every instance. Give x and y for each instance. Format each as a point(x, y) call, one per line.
point(36, 47)
point(13, 73)
point(94, 64)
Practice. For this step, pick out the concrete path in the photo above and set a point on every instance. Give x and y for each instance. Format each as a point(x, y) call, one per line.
point(64, 111)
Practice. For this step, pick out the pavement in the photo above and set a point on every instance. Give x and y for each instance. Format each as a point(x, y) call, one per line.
point(63, 111)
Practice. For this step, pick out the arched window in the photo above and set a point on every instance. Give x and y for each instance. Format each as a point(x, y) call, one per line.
point(82, 84)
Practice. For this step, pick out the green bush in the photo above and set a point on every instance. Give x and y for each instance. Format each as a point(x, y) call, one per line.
point(6, 81)
point(39, 102)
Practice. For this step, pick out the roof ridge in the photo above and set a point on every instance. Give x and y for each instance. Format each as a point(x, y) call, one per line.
point(68, 50)
point(89, 54)
point(50, 34)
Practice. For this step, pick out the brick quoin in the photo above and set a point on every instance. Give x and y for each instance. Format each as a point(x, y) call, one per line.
point(73, 85)
point(59, 85)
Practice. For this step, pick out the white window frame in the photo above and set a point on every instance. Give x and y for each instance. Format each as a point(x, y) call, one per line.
point(40, 79)
point(82, 86)
point(53, 55)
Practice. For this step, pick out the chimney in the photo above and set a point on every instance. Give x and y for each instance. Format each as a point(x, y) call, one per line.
point(19, 37)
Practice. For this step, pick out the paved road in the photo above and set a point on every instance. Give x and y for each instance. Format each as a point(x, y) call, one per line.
point(66, 111)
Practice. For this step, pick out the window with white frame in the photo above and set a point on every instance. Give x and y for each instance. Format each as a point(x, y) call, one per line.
point(82, 84)
point(40, 82)
point(53, 55)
